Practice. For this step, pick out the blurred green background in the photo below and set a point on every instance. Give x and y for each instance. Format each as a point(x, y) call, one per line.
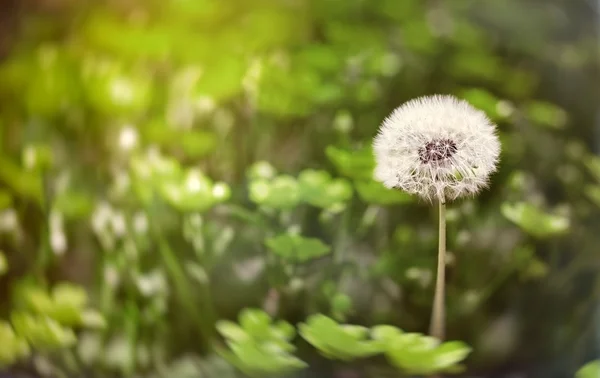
point(166, 164)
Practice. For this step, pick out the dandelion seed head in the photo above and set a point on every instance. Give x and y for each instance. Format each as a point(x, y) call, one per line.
point(437, 147)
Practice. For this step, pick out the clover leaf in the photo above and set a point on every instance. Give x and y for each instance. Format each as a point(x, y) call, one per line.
point(258, 360)
point(296, 248)
point(13, 348)
point(338, 341)
point(535, 221)
point(546, 114)
point(257, 345)
point(281, 193)
point(319, 189)
point(357, 164)
point(374, 192)
point(42, 332)
point(415, 353)
point(194, 192)
point(66, 304)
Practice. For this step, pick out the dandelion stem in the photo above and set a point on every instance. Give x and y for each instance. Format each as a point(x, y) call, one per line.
point(438, 313)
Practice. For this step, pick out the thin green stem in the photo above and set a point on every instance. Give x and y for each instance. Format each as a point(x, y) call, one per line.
point(203, 314)
point(438, 312)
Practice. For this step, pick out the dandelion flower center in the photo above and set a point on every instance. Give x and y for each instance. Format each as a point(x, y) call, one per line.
point(437, 150)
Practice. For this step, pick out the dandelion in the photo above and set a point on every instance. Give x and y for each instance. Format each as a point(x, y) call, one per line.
point(439, 148)
point(436, 147)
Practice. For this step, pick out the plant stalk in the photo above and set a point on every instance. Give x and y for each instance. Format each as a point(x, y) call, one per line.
point(438, 313)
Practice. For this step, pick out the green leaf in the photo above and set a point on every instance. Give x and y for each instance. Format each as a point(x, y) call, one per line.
point(69, 302)
point(256, 322)
point(42, 332)
point(357, 164)
point(280, 193)
point(297, 249)
point(487, 102)
point(385, 332)
point(24, 183)
point(92, 319)
point(74, 204)
point(343, 342)
point(415, 353)
point(319, 189)
point(32, 298)
point(222, 80)
point(52, 87)
point(257, 346)
point(589, 370)
point(197, 144)
point(261, 170)
point(259, 360)
point(535, 221)
point(13, 348)
point(111, 89)
point(546, 114)
point(593, 193)
point(231, 331)
point(194, 192)
point(374, 192)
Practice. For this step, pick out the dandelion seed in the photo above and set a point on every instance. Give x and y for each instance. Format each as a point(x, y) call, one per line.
point(437, 147)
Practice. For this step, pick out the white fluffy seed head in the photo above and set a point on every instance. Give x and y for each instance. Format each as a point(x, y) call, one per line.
point(437, 147)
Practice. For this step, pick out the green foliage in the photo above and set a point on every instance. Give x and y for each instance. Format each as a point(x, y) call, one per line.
point(14, 347)
point(343, 342)
point(319, 189)
point(535, 221)
point(374, 192)
point(187, 190)
point(589, 370)
point(353, 164)
point(297, 249)
point(418, 354)
point(411, 353)
point(257, 346)
point(280, 193)
point(111, 89)
point(44, 322)
point(184, 159)
point(66, 304)
point(43, 332)
point(546, 114)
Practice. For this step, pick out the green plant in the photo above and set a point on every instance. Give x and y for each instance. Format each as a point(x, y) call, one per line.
point(258, 347)
point(182, 160)
point(589, 370)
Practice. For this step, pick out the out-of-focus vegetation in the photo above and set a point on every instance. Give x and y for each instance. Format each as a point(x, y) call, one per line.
point(166, 164)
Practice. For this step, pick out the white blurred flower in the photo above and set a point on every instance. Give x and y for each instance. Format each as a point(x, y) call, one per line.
point(128, 138)
point(9, 221)
point(58, 242)
point(101, 217)
point(118, 223)
point(111, 276)
point(140, 222)
point(437, 147)
point(58, 238)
